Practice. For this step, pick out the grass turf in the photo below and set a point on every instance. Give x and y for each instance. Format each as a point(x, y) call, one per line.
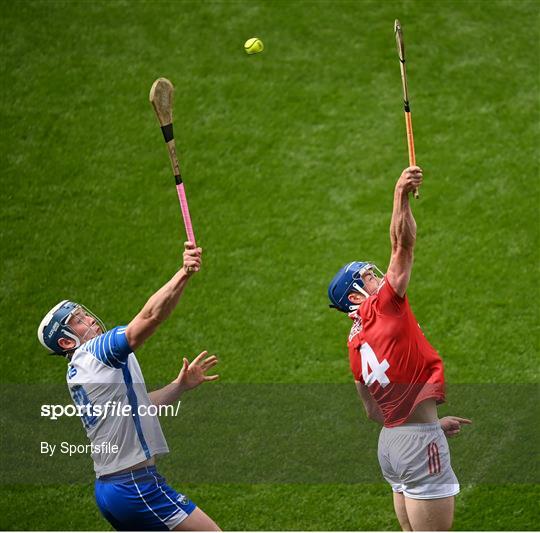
point(289, 159)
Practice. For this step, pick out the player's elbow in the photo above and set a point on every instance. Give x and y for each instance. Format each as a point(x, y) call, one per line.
point(402, 250)
point(404, 245)
point(373, 412)
point(373, 415)
point(370, 412)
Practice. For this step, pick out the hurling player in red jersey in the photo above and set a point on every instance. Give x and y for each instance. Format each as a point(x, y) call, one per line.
point(400, 376)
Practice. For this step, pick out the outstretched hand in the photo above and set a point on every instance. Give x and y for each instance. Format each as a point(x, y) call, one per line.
point(193, 374)
point(451, 425)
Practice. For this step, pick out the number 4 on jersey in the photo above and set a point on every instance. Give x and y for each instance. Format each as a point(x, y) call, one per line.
point(370, 361)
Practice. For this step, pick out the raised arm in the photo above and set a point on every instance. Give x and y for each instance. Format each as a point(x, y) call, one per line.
point(161, 304)
point(403, 231)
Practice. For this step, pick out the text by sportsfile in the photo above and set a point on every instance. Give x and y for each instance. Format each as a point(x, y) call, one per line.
point(67, 448)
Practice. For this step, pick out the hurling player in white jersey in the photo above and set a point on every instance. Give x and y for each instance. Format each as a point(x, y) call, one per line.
point(103, 372)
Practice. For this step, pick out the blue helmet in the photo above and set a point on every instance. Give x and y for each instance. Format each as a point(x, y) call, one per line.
point(55, 325)
point(347, 280)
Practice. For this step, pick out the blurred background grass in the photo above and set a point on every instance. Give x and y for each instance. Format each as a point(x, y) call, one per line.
point(289, 159)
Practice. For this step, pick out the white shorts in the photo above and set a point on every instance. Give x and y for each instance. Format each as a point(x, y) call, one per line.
point(415, 460)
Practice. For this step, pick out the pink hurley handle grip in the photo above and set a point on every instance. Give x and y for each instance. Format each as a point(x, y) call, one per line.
point(185, 212)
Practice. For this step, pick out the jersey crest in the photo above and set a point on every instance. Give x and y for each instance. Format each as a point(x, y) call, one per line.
point(356, 328)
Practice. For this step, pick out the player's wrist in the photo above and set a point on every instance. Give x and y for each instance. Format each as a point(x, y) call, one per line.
point(178, 387)
point(180, 278)
point(401, 188)
point(187, 272)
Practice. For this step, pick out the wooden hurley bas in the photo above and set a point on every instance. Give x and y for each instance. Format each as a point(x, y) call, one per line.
point(161, 98)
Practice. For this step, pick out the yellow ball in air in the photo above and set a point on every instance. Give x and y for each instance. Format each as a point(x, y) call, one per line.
point(253, 46)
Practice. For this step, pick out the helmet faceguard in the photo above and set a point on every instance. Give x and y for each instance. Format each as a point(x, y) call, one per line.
point(56, 325)
point(350, 279)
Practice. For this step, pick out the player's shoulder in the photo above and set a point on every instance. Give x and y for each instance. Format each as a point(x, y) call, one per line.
point(386, 301)
point(387, 288)
point(117, 330)
point(110, 348)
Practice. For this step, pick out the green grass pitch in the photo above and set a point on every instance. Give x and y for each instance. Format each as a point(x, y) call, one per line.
point(289, 159)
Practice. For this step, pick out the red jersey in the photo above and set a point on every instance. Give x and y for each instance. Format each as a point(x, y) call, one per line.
point(390, 355)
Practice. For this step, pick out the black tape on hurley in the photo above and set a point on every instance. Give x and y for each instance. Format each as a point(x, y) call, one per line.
point(168, 134)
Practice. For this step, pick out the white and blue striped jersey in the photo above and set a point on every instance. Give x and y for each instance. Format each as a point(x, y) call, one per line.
point(104, 376)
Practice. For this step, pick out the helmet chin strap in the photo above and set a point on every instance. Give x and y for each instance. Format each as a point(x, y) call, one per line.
point(73, 337)
point(361, 290)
